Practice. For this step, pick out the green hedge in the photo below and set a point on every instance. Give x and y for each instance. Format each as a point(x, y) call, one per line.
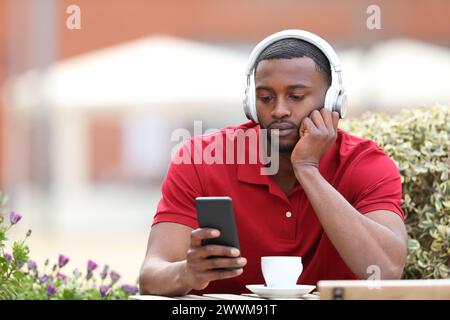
point(418, 140)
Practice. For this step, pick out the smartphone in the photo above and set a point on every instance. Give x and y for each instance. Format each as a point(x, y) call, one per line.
point(217, 213)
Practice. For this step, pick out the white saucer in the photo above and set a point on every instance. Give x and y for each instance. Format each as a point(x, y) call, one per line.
point(280, 292)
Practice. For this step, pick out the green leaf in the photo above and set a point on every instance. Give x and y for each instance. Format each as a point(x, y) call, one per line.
point(438, 205)
point(3, 263)
point(3, 237)
point(18, 275)
point(436, 246)
point(444, 270)
point(413, 245)
point(20, 254)
point(422, 263)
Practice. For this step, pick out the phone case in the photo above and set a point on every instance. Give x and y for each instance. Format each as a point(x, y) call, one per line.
point(217, 213)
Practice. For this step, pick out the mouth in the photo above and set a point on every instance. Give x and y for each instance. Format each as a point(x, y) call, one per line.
point(282, 129)
point(282, 132)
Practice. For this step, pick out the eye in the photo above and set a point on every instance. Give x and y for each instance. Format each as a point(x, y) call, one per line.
point(265, 99)
point(297, 97)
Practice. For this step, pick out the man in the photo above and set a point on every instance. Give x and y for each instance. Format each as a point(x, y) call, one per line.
point(335, 199)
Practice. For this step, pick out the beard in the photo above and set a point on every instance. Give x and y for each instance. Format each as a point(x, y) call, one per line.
point(283, 147)
point(286, 147)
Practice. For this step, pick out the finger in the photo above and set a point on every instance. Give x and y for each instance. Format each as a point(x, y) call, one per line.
point(327, 119)
point(307, 127)
point(216, 250)
point(219, 263)
point(335, 116)
point(219, 274)
point(203, 252)
point(316, 117)
point(200, 234)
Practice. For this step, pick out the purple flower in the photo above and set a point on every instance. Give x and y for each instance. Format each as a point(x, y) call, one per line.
point(8, 257)
point(130, 289)
point(51, 290)
point(14, 217)
point(61, 276)
point(104, 290)
point(89, 275)
point(114, 276)
point(91, 266)
point(31, 265)
point(62, 260)
point(104, 273)
point(44, 278)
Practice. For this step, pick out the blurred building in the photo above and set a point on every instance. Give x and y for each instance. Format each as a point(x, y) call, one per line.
point(34, 35)
point(89, 118)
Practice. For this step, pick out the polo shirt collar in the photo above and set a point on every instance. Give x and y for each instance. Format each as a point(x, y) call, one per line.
point(251, 173)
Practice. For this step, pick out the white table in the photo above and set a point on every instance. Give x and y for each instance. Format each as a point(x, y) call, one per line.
point(224, 296)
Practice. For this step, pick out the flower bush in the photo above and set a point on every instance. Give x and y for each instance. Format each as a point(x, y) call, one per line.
point(21, 279)
point(418, 140)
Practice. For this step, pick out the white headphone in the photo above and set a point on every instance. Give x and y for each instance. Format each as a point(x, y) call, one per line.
point(335, 98)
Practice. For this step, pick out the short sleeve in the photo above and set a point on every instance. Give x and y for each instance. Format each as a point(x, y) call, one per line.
point(375, 183)
point(179, 189)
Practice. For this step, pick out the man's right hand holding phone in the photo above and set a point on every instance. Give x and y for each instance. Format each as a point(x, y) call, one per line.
point(201, 270)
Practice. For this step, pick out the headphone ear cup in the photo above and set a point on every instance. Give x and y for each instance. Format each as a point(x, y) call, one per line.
point(336, 100)
point(250, 102)
point(246, 107)
point(341, 103)
point(330, 98)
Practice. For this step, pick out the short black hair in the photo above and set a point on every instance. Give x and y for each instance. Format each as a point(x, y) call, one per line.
point(295, 48)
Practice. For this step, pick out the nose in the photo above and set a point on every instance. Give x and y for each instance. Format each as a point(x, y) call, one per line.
point(280, 110)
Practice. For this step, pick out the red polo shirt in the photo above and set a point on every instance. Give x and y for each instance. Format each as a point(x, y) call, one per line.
point(272, 223)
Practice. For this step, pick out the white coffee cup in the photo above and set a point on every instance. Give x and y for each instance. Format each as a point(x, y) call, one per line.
point(281, 271)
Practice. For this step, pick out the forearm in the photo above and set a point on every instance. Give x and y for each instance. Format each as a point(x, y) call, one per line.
point(159, 277)
point(360, 241)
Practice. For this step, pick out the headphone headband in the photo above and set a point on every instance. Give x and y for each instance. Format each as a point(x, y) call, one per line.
point(324, 46)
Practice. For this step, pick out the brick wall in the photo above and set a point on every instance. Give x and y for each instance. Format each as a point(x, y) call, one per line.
point(105, 22)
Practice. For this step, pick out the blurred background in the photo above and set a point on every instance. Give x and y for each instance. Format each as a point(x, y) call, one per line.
point(86, 115)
